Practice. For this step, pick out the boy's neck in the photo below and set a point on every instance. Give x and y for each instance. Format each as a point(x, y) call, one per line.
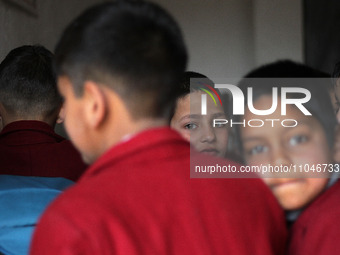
point(8, 117)
point(147, 124)
point(9, 120)
point(113, 135)
point(132, 130)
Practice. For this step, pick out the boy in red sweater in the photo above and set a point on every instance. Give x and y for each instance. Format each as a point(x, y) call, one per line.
point(310, 194)
point(120, 65)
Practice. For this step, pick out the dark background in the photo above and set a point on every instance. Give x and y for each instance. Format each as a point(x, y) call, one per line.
point(322, 33)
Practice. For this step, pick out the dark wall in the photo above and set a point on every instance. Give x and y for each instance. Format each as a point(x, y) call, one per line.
point(322, 33)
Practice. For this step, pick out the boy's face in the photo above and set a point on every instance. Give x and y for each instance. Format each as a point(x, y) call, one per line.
point(336, 105)
point(75, 125)
point(304, 144)
point(197, 128)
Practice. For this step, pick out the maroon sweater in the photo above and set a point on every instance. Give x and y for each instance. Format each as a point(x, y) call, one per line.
point(317, 229)
point(32, 148)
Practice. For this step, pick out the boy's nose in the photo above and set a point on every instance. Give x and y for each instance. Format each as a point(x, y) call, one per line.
point(281, 157)
point(207, 134)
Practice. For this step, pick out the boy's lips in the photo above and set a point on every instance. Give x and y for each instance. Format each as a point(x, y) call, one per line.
point(283, 184)
point(210, 151)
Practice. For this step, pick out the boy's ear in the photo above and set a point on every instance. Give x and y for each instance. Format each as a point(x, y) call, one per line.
point(95, 104)
point(61, 115)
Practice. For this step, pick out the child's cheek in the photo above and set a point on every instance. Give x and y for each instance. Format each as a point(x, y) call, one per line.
point(186, 135)
point(222, 138)
point(311, 156)
point(257, 160)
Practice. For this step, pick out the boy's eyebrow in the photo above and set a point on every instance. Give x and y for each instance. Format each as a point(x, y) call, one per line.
point(219, 114)
point(192, 116)
point(197, 116)
point(304, 122)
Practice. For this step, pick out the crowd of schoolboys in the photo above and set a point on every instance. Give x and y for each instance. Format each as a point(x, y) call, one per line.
point(118, 82)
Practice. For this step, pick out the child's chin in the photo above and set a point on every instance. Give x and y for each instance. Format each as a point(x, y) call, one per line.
point(286, 194)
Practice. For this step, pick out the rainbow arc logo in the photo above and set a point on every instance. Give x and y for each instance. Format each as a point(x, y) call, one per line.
point(206, 90)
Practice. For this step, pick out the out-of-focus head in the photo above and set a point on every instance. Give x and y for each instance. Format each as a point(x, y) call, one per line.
point(307, 144)
point(132, 47)
point(125, 55)
point(335, 96)
point(191, 124)
point(336, 89)
point(291, 74)
point(28, 89)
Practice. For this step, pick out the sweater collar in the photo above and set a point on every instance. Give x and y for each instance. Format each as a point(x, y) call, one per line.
point(30, 125)
point(138, 144)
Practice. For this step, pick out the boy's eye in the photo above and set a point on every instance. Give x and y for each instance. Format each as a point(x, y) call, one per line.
point(298, 139)
point(258, 149)
point(218, 125)
point(190, 126)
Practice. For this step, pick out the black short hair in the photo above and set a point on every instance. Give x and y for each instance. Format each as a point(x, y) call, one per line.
point(320, 103)
point(135, 42)
point(286, 69)
point(193, 81)
point(28, 82)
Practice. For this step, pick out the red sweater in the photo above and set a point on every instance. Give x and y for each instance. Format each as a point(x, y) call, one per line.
point(138, 199)
point(317, 229)
point(32, 148)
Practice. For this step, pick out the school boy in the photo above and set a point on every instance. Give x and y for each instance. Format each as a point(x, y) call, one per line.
point(309, 197)
point(119, 66)
point(29, 108)
point(196, 128)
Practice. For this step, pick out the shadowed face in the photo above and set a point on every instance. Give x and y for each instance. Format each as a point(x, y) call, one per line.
point(336, 105)
point(198, 128)
point(74, 111)
point(304, 144)
point(335, 95)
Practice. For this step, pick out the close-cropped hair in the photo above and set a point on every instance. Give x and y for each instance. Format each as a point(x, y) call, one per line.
point(193, 81)
point(133, 47)
point(291, 74)
point(28, 82)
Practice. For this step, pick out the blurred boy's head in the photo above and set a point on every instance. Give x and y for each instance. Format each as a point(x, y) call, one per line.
point(196, 128)
point(119, 67)
point(336, 89)
point(304, 145)
point(28, 89)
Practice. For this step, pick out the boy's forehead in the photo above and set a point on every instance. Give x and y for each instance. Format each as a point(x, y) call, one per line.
point(265, 102)
point(272, 123)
